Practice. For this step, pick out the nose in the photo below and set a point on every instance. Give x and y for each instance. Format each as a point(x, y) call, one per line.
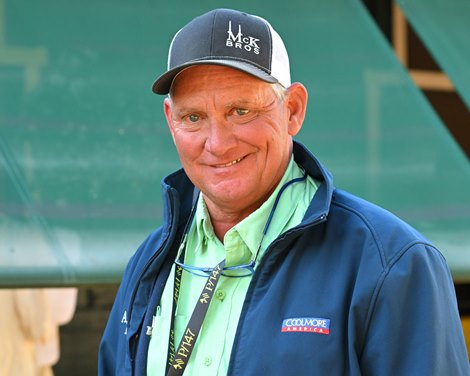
point(220, 138)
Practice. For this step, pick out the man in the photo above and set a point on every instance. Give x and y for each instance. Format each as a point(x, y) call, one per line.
point(261, 265)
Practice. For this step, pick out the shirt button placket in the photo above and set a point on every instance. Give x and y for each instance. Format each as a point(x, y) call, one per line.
point(207, 361)
point(220, 295)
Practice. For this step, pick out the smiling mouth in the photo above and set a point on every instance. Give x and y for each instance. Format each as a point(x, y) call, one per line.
point(231, 163)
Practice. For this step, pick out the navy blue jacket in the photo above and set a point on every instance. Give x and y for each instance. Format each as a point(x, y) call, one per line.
point(386, 291)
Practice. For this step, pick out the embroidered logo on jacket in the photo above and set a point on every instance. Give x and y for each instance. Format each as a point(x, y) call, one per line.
point(306, 325)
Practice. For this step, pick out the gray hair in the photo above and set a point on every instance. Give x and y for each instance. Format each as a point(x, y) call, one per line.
point(279, 90)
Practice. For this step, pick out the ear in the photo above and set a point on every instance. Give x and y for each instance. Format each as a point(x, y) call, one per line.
point(168, 115)
point(297, 98)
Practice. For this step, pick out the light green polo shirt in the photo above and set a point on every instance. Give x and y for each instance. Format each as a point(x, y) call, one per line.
point(211, 353)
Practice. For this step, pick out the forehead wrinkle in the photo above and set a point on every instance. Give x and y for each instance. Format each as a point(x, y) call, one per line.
point(183, 103)
point(180, 112)
point(243, 92)
point(258, 99)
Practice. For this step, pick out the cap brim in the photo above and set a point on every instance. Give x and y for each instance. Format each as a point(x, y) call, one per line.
point(163, 83)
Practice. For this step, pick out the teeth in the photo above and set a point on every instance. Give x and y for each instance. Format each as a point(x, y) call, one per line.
point(232, 163)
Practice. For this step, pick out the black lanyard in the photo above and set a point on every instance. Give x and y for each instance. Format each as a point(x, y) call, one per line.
point(177, 361)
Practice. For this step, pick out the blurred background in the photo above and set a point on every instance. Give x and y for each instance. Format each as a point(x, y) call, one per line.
point(84, 143)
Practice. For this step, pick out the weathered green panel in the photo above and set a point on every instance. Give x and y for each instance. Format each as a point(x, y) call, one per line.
point(84, 145)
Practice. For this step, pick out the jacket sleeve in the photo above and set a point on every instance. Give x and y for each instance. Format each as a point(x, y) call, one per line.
point(414, 325)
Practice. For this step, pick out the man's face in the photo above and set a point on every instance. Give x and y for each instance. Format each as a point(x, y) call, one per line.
point(233, 135)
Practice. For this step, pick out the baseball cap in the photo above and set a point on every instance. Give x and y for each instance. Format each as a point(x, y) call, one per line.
point(229, 38)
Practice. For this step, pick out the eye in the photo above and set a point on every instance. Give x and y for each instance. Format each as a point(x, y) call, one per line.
point(193, 118)
point(241, 111)
point(242, 115)
point(190, 121)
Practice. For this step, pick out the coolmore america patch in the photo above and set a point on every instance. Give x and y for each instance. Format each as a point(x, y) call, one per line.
point(306, 325)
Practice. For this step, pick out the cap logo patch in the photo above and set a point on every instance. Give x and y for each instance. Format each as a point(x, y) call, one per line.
point(240, 41)
point(306, 325)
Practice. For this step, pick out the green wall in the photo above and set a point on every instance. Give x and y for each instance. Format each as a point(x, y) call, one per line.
point(84, 144)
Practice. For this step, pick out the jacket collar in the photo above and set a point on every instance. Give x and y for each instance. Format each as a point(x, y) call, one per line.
point(320, 205)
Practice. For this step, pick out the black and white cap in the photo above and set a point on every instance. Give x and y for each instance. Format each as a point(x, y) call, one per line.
point(229, 38)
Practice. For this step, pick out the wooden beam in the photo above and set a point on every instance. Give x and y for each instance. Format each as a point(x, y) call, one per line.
point(431, 80)
point(400, 34)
